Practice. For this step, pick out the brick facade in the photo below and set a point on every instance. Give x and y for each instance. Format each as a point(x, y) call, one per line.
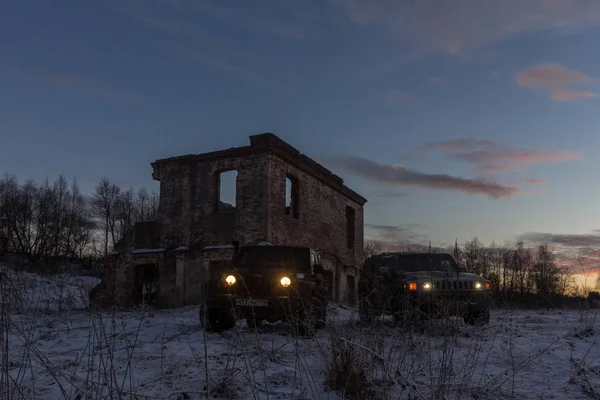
point(325, 215)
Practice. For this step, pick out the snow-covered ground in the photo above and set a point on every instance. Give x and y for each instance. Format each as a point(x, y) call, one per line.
point(166, 355)
point(61, 292)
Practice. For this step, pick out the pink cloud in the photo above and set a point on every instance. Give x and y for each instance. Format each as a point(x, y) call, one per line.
point(532, 182)
point(576, 251)
point(397, 175)
point(570, 95)
point(555, 79)
point(490, 162)
point(490, 157)
point(550, 75)
point(584, 240)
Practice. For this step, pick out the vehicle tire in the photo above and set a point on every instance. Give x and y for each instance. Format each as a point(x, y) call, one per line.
point(399, 309)
point(253, 322)
point(416, 319)
point(320, 308)
point(202, 314)
point(307, 321)
point(365, 310)
point(479, 317)
point(218, 320)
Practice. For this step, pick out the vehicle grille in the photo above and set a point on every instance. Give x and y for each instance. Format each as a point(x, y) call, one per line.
point(254, 285)
point(454, 285)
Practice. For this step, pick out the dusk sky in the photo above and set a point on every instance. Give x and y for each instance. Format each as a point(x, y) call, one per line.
point(454, 118)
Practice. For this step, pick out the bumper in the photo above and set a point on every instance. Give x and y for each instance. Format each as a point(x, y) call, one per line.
point(451, 303)
point(269, 308)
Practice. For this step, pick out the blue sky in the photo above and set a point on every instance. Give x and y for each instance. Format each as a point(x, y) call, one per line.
point(490, 107)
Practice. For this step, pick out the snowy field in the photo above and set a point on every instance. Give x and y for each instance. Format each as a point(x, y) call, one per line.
point(56, 353)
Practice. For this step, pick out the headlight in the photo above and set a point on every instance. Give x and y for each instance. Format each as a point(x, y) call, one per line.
point(230, 280)
point(285, 281)
point(478, 285)
point(427, 286)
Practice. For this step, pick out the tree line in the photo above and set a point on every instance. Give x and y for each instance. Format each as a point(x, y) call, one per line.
point(514, 270)
point(57, 220)
point(42, 220)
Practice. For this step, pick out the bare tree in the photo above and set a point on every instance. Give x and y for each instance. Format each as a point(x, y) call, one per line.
point(153, 206)
point(45, 220)
point(545, 272)
point(126, 214)
point(565, 282)
point(105, 209)
point(473, 256)
point(457, 253)
point(372, 249)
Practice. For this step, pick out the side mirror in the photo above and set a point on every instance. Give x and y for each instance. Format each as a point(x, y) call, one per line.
point(318, 269)
point(462, 268)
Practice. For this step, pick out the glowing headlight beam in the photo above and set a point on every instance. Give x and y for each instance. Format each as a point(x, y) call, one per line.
point(230, 280)
point(427, 286)
point(478, 285)
point(285, 281)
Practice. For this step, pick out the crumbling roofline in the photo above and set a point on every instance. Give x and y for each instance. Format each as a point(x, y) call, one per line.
point(210, 156)
point(269, 143)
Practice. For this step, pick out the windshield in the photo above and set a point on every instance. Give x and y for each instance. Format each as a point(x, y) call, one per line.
point(426, 262)
point(297, 258)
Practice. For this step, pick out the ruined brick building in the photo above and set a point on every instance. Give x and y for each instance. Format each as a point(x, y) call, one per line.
point(281, 197)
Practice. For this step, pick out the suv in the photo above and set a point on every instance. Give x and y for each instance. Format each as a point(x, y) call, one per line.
point(267, 283)
point(422, 285)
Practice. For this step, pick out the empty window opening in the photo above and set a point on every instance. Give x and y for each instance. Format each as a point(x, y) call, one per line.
point(350, 290)
point(350, 226)
point(145, 284)
point(291, 196)
point(226, 190)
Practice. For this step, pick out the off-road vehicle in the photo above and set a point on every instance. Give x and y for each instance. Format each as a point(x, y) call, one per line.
point(267, 283)
point(416, 286)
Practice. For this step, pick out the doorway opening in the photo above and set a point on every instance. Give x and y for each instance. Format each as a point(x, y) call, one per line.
point(145, 284)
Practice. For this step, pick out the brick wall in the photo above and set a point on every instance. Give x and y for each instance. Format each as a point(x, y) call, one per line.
point(187, 214)
point(321, 222)
point(188, 195)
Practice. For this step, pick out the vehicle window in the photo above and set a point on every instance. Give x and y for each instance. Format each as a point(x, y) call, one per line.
point(425, 262)
point(446, 266)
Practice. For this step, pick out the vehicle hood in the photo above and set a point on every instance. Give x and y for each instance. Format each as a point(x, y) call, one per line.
point(266, 271)
point(438, 275)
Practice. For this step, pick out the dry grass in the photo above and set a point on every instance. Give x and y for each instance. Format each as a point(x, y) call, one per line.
point(129, 355)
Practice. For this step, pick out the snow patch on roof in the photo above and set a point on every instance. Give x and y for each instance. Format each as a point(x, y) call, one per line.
point(223, 246)
point(145, 251)
point(265, 244)
point(182, 248)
